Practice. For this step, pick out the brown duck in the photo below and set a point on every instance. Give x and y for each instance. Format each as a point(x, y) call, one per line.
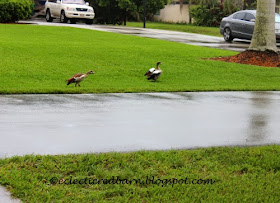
point(79, 77)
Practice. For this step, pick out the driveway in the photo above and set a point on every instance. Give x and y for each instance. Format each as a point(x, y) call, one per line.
point(62, 124)
point(182, 37)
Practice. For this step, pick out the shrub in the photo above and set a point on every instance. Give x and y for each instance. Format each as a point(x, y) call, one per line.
point(14, 10)
point(106, 11)
point(118, 11)
point(211, 14)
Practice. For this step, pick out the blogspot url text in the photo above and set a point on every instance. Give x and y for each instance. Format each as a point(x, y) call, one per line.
point(122, 181)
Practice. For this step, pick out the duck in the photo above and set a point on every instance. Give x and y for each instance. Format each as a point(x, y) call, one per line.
point(79, 77)
point(154, 73)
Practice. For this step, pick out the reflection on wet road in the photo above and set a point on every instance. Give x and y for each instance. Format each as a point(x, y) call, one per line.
point(60, 124)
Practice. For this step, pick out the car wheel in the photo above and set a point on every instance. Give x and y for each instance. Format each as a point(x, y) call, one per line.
point(48, 16)
point(63, 18)
point(227, 35)
point(89, 21)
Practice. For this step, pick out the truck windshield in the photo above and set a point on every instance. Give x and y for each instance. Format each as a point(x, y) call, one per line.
point(73, 1)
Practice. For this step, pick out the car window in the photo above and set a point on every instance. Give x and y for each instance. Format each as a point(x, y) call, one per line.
point(239, 16)
point(249, 17)
point(74, 1)
point(277, 18)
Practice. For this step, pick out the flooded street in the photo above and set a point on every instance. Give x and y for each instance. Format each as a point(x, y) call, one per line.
point(61, 124)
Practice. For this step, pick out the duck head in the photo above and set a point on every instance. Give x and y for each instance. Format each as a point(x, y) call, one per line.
point(158, 63)
point(90, 72)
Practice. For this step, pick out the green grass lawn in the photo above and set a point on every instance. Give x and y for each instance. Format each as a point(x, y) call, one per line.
point(213, 31)
point(38, 59)
point(250, 174)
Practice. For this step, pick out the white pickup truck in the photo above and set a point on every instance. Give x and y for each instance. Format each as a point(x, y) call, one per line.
point(72, 10)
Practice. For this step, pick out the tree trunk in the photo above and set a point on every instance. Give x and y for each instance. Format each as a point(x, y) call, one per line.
point(264, 38)
point(124, 18)
point(190, 16)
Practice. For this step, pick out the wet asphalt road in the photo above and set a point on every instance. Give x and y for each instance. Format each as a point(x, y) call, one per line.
point(61, 124)
point(182, 37)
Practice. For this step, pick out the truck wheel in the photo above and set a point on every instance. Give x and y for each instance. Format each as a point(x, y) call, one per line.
point(63, 18)
point(89, 21)
point(48, 16)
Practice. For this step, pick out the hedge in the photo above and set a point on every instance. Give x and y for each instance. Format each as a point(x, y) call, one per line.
point(14, 10)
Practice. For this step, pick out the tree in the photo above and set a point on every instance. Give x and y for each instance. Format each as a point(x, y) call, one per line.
point(208, 2)
point(127, 6)
point(190, 3)
point(118, 11)
point(264, 32)
point(230, 6)
point(152, 6)
point(190, 16)
point(106, 11)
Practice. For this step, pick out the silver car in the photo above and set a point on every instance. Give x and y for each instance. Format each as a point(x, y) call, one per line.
point(241, 25)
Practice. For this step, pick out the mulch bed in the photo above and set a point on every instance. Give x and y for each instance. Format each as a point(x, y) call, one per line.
point(266, 59)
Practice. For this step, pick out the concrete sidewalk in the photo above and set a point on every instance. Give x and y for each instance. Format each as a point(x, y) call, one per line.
point(5, 196)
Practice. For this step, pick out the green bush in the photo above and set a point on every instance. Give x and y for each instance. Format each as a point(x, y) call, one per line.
point(118, 11)
point(106, 11)
point(212, 14)
point(207, 15)
point(14, 10)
